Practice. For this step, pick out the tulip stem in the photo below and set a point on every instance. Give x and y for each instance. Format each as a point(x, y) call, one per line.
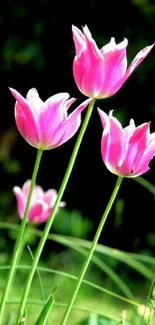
point(19, 240)
point(91, 251)
point(51, 217)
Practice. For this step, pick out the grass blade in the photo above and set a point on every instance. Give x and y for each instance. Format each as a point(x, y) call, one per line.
point(45, 311)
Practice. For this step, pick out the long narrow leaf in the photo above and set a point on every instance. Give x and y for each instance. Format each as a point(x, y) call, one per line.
point(121, 256)
point(75, 307)
point(127, 258)
point(45, 311)
point(73, 277)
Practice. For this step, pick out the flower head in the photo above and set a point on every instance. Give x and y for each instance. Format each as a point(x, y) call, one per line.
point(41, 202)
point(126, 152)
point(100, 73)
point(46, 125)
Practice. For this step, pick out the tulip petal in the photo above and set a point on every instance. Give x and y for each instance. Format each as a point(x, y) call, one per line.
point(50, 197)
point(78, 38)
point(34, 100)
point(115, 142)
point(104, 117)
point(20, 200)
point(137, 60)
point(53, 114)
point(136, 147)
point(64, 132)
point(88, 67)
point(111, 143)
point(26, 119)
point(148, 154)
point(115, 68)
point(36, 210)
point(26, 187)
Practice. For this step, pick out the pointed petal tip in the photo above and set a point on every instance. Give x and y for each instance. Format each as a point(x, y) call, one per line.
point(103, 116)
point(12, 90)
point(87, 32)
point(73, 28)
point(111, 113)
point(15, 93)
point(33, 92)
point(16, 190)
point(99, 110)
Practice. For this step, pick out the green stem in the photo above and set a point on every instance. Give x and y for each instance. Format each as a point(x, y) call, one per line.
point(51, 218)
point(142, 181)
point(16, 251)
point(91, 251)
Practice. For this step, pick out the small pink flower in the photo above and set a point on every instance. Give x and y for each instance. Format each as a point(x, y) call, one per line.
point(101, 73)
point(46, 125)
point(41, 202)
point(126, 152)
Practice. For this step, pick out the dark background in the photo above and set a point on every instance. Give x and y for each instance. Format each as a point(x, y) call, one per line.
point(37, 51)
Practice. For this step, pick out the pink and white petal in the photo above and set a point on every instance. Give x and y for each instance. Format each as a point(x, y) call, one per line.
point(23, 103)
point(27, 125)
point(143, 143)
point(45, 215)
point(66, 131)
point(67, 104)
point(127, 133)
point(105, 137)
point(141, 172)
point(92, 48)
point(78, 38)
point(137, 60)
point(38, 192)
point(26, 119)
point(104, 117)
point(88, 72)
point(88, 67)
point(148, 154)
point(21, 201)
point(105, 147)
point(112, 142)
point(79, 109)
point(26, 187)
point(34, 100)
point(136, 146)
point(53, 109)
point(62, 204)
point(111, 46)
point(35, 212)
point(115, 143)
point(50, 197)
point(53, 114)
point(115, 68)
point(151, 136)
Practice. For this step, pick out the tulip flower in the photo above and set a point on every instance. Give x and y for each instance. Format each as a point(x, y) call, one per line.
point(100, 73)
point(41, 202)
point(126, 152)
point(46, 125)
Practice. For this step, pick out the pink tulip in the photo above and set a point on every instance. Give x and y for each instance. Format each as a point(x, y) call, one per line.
point(46, 125)
point(126, 152)
point(41, 202)
point(101, 73)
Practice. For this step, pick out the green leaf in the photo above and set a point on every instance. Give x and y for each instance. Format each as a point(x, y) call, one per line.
point(97, 320)
point(11, 319)
point(93, 320)
point(46, 309)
